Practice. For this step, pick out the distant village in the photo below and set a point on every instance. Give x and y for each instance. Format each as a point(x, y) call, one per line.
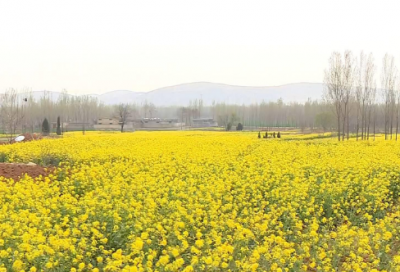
point(114, 124)
point(22, 112)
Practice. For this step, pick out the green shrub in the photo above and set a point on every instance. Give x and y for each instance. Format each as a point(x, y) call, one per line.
point(45, 127)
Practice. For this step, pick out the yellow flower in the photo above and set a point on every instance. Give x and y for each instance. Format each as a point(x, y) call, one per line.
point(180, 262)
point(188, 268)
point(322, 255)
point(199, 243)
point(175, 252)
point(387, 235)
point(164, 260)
point(17, 265)
point(224, 265)
point(194, 200)
point(208, 260)
point(138, 244)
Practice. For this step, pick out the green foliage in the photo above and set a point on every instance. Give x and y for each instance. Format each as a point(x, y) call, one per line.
point(228, 120)
point(229, 126)
point(3, 157)
point(58, 126)
point(234, 118)
point(324, 120)
point(239, 127)
point(45, 127)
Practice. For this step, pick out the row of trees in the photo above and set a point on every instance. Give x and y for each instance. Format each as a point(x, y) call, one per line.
point(46, 126)
point(312, 115)
point(23, 112)
point(352, 103)
point(351, 90)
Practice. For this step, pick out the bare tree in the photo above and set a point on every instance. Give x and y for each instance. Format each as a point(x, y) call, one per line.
point(11, 112)
point(364, 93)
point(359, 95)
point(334, 86)
point(182, 113)
point(397, 93)
point(145, 108)
point(369, 93)
point(374, 123)
point(29, 110)
point(63, 103)
point(393, 100)
point(388, 81)
point(371, 108)
point(152, 109)
point(123, 111)
point(201, 106)
point(85, 111)
point(348, 89)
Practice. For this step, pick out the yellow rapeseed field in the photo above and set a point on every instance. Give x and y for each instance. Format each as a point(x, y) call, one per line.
point(202, 201)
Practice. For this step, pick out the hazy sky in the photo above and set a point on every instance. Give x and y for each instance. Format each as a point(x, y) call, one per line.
point(99, 46)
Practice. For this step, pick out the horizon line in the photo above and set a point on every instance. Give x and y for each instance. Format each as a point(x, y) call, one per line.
point(176, 85)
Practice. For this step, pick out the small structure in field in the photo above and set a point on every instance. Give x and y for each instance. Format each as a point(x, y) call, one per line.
point(157, 123)
point(140, 123)
point(204, 122)
point(111, 123)
point(73, 126)
point(54, 125)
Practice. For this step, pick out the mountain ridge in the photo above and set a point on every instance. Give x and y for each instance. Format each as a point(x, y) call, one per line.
point(209, 82)
point(183, 94)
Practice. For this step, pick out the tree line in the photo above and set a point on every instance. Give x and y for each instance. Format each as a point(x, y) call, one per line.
point(352, 103)
point(361, 106)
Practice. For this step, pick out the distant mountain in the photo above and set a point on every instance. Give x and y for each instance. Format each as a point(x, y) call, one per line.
point(117, 97)
point(184, 93)
point(209, 92)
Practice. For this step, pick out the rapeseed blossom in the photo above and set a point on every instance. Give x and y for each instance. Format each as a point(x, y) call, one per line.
point(202, 201)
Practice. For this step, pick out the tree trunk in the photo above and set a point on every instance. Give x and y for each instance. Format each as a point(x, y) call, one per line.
point(367, 124)
point(338, 129)
point(391, 126)
point(122, 127)
point(386, 123)
point(397, 123)
point(357, 125)
point(344, 123)
point(348, 125)
point(362, 123)
point(374, 125)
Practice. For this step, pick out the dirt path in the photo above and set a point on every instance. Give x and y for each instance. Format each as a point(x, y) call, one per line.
point(16, 171)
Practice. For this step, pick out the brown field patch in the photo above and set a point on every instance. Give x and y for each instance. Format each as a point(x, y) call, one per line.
point(16, 171)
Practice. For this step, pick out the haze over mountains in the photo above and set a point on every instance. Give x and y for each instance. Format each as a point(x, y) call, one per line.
point(181, 95)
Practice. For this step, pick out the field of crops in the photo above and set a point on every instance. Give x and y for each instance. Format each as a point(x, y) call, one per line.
point(202, 201)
